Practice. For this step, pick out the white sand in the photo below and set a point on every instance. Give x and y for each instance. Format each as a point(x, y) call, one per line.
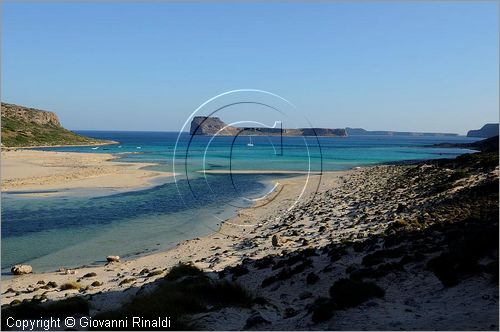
point(32, 170)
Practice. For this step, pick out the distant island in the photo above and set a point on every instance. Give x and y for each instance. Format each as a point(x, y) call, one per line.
point(204, 125)
point(363, 132)
point(486, 131)
point(23, 127)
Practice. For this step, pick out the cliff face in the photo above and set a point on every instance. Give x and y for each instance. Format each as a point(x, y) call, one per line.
point(202, 125)
point(23, 126)
point(487, 131)
point(25, 114)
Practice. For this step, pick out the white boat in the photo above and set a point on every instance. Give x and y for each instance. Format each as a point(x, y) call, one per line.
point(95, 148)
point(250, 143)
point(138, 147)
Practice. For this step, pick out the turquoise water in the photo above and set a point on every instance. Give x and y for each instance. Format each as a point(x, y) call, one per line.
point(83, 227)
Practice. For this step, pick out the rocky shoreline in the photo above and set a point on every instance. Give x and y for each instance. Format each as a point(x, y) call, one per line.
point(385, 247)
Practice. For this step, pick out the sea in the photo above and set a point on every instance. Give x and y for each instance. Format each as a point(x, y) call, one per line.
point(82, 226)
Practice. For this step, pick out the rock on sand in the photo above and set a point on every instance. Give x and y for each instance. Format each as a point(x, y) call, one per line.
point(21, 269)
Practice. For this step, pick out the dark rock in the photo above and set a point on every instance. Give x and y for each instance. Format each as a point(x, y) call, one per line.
point(255, 320)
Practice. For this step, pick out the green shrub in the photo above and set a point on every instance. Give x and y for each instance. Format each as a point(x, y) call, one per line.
point(126, 281)
point(348, 293)
point(70, 285)
point(312, 278)
point(90, 275)
point(238, 270)
point(155, 273)
point(184, 290)
point(183, 270)
point(322, 309)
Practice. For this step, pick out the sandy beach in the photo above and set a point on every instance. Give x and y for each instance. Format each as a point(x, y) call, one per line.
point(199, 251)
point(341, 218)
point(48, 172)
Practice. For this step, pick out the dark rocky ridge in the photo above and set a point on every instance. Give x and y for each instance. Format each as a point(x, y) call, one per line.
point(363, 132)
point(203, 125)
point(485, 145)
point(486, 131)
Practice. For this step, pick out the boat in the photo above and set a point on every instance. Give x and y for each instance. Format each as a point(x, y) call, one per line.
point(95, 148)
point(138, 147)
point(250, 143)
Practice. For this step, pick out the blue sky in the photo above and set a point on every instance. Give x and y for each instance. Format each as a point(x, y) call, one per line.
point(418, 66)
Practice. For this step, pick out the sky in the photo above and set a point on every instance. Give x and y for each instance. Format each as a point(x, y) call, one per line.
point(409, 66)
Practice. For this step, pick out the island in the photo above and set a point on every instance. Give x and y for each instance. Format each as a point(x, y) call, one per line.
point(205, 125)
point(364, 132)
point(209, 125)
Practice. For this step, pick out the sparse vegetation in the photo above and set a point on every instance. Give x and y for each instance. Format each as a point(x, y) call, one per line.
point(466, 248)
point(184, 290)
point(287, 273)
point(70, 285)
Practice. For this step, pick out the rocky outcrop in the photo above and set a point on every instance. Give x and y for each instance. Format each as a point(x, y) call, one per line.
point(113, 259)
point(487, 131)
point(21, 269)
point(24, 126)
point(33, 115)
point(203, 125)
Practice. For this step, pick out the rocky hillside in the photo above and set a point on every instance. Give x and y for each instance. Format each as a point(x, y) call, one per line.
point(23, 126)
point(203, 125)
point(488, 130)
point(485, 145)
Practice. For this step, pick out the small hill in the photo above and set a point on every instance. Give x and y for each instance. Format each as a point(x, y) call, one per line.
point(487, 131)
point(23, 126)
point(205, 125)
